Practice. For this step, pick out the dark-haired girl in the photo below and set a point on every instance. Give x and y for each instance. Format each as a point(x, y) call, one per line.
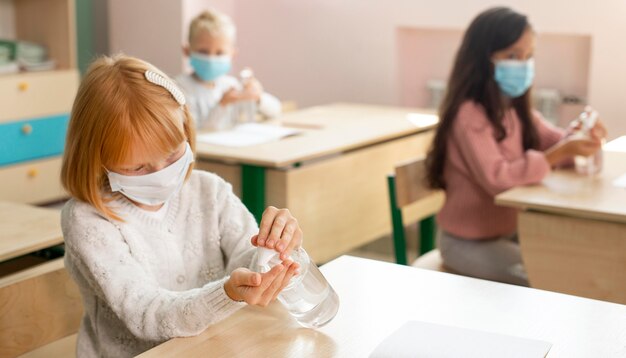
point(489, 140)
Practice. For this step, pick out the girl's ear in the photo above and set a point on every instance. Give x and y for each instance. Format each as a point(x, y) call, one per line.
point(235, 52)
point(186, 50)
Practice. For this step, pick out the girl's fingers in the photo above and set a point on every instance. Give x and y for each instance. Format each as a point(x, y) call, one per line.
point(245, 277)
point(269, 277)
point(267, 220)
point(254, 279)
point(255, 240)
point(268, 294)
point(295, 242)
point(287, 235)
point(278, 226)
point(288, 276)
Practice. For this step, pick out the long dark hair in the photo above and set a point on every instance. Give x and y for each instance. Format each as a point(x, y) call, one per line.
point(472, 78)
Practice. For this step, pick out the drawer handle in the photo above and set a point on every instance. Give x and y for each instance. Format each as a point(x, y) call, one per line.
point(23, 86)
point(27, 129)
point(32, 173)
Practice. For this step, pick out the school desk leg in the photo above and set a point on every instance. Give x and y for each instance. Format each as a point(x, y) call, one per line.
point(427, 234)
point(253, 189)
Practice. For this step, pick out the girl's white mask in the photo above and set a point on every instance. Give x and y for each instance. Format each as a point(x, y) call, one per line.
point(154, 188)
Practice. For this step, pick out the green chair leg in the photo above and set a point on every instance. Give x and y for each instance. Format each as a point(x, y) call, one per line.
point(428, 227)
point(253, 189)
point(399, 241)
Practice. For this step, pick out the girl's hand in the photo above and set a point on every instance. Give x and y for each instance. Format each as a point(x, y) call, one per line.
point(598, 131)
point(581, 146)
point(280, 231)
point(259, 288)
point(570, 147)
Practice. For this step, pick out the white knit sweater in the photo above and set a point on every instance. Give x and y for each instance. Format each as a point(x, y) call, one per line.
point(145, 281)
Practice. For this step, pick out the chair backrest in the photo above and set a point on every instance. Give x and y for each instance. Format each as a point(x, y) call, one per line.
point(410, 182)
point(37, 306)
point(410, 198)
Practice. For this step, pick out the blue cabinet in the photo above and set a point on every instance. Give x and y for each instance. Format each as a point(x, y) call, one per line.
point(37, 138)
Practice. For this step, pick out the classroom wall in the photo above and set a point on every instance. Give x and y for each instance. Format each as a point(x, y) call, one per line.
point(155, 30)
point(7, 19)
point(324, 51)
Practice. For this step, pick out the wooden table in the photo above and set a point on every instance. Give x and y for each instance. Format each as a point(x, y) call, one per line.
point(332, 176)
point(572, 231)
point(25, 229)
point(377, 298)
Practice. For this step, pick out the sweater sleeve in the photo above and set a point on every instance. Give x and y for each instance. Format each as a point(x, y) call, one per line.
point(96, 250)
point(475, 138)
point(269, 106)
point(237, 226)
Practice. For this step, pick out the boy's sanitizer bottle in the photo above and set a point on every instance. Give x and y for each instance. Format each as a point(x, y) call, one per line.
point(248, 108)
point(583, 125)
point(308, 297)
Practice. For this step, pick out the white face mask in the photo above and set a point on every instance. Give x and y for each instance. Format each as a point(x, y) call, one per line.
point(154, 188)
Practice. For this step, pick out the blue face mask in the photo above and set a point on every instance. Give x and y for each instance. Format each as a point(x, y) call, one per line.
point(515, 77)
point(208, 68)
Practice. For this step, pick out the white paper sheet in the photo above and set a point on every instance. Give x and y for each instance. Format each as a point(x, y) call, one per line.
point(247, 134)
point(620, 182)
point(428, 340)
point(616, 145)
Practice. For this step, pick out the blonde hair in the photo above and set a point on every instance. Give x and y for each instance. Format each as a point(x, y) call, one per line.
point(214, 22)
point(117, 109)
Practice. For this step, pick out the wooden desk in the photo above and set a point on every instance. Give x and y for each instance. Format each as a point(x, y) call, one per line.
point(572, 231)
point(377, 298)
point(25, 229)
point(332, 176)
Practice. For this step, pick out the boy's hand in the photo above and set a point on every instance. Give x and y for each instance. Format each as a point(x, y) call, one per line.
point(278, 230)
point(231, 96)
point(259, 288)
point(252, 90)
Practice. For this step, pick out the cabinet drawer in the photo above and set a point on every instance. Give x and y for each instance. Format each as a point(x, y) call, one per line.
point(33, 182)
point(32, 139)
point(28, 95)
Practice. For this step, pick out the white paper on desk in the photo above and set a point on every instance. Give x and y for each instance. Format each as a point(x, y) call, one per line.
point(428, 340)
point(620, 182)
point(247, 134)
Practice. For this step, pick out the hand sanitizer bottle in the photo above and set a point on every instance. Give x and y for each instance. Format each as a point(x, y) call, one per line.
point(248, 108)
point(583, 125)
point(308, 297)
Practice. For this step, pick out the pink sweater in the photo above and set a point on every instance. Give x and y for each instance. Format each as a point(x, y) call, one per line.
point(478, 168)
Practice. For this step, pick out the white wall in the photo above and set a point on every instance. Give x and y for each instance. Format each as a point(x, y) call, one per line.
point(7, 19)
point(155, 30)
point(324, 51)
point(149, 29)
point(327, 50)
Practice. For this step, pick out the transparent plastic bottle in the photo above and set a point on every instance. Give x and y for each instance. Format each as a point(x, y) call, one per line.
point(248, 109)
point(582, 129)
point(308, 297)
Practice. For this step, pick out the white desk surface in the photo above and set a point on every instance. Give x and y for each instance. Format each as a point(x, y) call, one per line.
point(377, 298)
point(326, 130)
point(568, 193)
